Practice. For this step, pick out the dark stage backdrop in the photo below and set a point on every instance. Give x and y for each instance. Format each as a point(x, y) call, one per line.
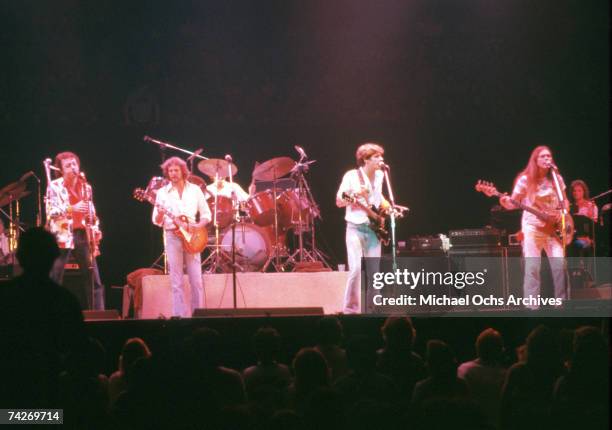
point(454, 90)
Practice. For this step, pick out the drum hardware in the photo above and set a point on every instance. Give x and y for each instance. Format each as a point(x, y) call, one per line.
point(302, 202)
point(10, 195)
point(272, 170)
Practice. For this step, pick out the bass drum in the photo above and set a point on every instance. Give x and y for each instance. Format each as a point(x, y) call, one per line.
point(252, 247)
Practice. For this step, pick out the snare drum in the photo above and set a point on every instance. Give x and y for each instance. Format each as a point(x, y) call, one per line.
point(253, 247)
point(260, 208)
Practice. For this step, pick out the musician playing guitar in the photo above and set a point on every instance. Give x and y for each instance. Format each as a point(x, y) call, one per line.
point(182, 198)
point(535, 187)
point(364, 186)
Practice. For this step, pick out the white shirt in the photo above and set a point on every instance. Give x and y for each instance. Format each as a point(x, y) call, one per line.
point(351, 184)
point(226, 191)
point(191, 202)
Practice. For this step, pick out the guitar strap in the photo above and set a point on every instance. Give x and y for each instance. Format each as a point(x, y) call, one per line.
point(362, 182)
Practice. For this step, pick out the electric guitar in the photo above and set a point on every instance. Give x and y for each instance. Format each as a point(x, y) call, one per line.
point(377, 220)
point(553, 218)
point(195, 241)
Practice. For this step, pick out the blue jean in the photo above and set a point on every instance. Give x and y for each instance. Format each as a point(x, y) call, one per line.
point(361, 241)
point(177, 260)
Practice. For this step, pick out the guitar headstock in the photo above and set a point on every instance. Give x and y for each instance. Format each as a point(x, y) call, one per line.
point(140, 195)
point(488, 188)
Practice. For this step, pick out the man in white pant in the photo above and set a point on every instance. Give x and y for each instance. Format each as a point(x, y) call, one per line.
point(181, 198)
point(365, 184)
point(535, 187)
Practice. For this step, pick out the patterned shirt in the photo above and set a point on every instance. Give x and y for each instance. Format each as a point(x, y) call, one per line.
point(545, 198)
point(60, 218)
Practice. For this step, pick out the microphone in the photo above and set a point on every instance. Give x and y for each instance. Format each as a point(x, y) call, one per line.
point(158, 142)
point(195, 154)
point(300, 151)
point(384, 166)
point(553, 166)
point(47, 161)
point(228, 158)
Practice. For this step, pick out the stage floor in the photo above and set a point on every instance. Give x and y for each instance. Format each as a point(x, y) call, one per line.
point(253, 290)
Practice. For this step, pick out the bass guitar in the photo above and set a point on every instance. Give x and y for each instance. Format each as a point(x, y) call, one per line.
point(377, 219)
point(194, 241)
point(552, 218)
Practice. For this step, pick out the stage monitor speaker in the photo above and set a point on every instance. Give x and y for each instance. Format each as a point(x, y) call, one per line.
point(491, 261)
point(257, 312)
point(109, 314)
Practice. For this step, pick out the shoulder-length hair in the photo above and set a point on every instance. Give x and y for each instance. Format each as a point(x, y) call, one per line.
point(580, 183)
point(175, 161)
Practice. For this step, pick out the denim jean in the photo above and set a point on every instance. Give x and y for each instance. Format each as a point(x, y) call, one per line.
point(178, 259)
point(361, 241)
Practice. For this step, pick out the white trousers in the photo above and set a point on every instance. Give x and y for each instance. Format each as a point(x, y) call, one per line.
point(534, 242)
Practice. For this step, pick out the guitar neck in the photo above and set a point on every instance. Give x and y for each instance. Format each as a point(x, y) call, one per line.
point(161, 208)
point(366, 208)
point(525, 207)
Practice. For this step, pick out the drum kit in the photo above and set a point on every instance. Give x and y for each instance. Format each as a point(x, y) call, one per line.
point(280, 203)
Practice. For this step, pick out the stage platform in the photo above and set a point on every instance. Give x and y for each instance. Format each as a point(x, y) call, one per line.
point(299, 293)
point(253, 290)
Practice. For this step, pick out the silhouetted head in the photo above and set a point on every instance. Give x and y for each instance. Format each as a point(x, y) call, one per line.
point(490, 346)
point(267, 344)
point(329, 331)
point(133, 349)
point(542, 348)
point(37, 251)
point(398, 333)
point(310, 369)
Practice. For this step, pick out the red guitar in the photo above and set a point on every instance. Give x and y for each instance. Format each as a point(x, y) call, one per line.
point(555, 219)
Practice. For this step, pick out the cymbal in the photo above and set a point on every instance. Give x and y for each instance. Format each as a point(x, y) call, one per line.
point(12, 192)
point(273, 169)
point(196, 180)
point(215, 166)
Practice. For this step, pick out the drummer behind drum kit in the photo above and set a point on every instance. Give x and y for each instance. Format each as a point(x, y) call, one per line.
point(281, 203)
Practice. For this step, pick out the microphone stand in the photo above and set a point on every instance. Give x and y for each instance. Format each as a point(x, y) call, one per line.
point(562, 201)
point(594, 222)
point(392, 216)
point(234, 216)
point(164, 145)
